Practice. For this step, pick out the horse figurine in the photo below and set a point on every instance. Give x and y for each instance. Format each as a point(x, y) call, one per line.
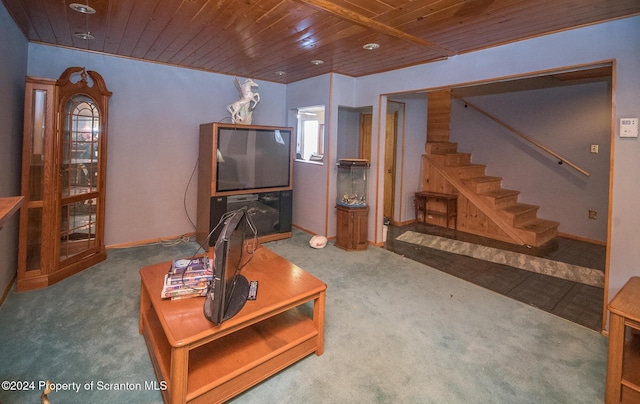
point(242, 109)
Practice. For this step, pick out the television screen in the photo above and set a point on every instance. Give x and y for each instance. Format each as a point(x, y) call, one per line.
point(252, 158)
point(228, 290)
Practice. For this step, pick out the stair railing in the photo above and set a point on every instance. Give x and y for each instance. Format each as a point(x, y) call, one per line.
point(561, 159)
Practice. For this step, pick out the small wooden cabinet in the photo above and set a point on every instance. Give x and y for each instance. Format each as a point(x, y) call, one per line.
point(351, 233)
point(63, 177)
point(623, 362)
point(424, 211)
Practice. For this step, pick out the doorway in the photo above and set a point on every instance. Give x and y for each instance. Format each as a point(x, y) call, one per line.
point(575, 80)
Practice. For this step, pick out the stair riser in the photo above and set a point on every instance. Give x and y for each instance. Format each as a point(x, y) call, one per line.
point(484, 187)
point(537, 239)
point(523, 218)
point(466, 172)
point(519, 220)
point(546, 236)
point(503, 202)
point(439, 137)
point(456, 159)
point(440, 159)
point(529, 238)
point(441, 148)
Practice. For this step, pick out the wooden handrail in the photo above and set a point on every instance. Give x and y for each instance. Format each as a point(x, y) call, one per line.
point(522, 135)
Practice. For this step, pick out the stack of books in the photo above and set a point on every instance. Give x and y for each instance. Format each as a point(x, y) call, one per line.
point(187, 278)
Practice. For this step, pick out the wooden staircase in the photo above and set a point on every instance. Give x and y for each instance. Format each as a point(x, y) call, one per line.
point(484, 207)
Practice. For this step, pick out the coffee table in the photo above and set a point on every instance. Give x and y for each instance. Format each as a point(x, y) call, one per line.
point(196, 361)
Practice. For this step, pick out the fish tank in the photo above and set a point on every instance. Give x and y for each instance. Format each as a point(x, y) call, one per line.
point(352, 182)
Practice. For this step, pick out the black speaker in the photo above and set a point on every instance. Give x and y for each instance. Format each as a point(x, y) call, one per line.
point(271, 212)
point(286, 211)
point(218, 207)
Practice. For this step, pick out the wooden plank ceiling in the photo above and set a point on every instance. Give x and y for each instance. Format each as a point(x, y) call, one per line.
point(277, 40)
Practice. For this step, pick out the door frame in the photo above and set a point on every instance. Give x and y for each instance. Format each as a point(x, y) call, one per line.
point(390, 165)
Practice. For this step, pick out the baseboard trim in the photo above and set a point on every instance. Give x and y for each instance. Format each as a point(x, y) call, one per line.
point(161, 240)
point(579, 238)
point(8, 289)
point(305, 230)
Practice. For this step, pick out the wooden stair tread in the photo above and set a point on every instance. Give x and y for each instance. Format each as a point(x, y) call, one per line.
point(539, 225)
point(519, 208)
point(457, 154)
point(500, 193)
point(468, 165)
point(484, 178)
point(443, 143)
point(536, 232)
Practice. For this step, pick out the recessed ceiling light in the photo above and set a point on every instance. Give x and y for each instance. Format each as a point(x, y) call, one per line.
point(371, 46)
point(317, 62)
point(82, 8)
point(280, 73)
point(84, 35)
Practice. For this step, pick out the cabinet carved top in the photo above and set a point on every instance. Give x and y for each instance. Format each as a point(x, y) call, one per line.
point(97, 82)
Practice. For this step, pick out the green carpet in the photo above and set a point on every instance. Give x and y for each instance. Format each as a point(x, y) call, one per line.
point(396, 332)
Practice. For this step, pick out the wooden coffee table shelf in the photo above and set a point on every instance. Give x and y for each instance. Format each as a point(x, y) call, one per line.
point(204, 363)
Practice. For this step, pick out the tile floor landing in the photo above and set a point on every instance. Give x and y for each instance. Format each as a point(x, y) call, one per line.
point(576, 302)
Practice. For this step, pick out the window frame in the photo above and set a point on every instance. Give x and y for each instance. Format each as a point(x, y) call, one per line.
point(314, 153)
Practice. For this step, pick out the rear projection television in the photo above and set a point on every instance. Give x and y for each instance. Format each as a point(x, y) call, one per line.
point(252, 158)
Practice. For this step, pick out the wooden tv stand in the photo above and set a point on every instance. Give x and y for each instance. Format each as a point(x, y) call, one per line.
point(204, 363)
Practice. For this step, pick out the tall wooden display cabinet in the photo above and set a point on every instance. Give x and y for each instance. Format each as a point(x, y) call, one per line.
point(63, 177)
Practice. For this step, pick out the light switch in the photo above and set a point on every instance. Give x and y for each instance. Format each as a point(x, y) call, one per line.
point(628, 127)
point(594, 148)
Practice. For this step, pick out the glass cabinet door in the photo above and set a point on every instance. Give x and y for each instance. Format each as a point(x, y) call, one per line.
point(39, 99)
point(79, 176)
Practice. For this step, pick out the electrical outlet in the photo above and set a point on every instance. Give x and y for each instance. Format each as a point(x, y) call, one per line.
point(594, 148)
point(593, 214)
